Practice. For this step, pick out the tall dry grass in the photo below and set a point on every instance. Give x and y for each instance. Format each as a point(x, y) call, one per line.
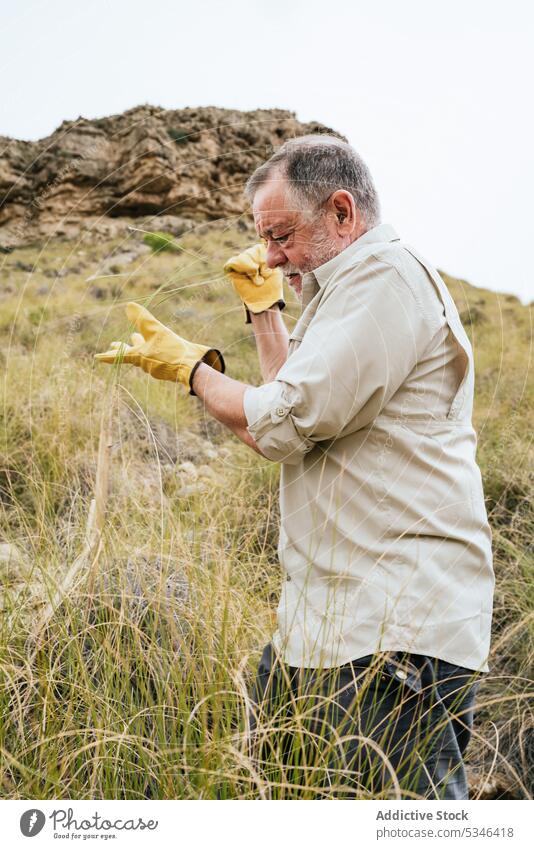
point(132, 681)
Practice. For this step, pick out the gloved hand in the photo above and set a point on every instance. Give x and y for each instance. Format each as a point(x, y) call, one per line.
point(159, 351)
point(258, 286)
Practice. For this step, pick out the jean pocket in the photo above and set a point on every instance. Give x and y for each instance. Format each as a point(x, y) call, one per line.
point(446, 669)
point(456, 685)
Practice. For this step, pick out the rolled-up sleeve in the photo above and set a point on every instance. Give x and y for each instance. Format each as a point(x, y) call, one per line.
point(364, 340)
point(268, 410)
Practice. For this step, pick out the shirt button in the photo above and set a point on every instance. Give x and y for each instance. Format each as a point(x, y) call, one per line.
point(401, 674)
point(280, 411)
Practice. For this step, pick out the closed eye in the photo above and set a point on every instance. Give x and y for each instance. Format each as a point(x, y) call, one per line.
point(282, 238)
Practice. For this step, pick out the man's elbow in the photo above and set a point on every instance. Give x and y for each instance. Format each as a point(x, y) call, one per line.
point(249, 440)
point(289, 455)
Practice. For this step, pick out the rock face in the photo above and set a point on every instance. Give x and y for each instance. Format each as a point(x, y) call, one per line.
point(188, 163)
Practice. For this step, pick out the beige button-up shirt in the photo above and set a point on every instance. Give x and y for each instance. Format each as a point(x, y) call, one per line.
point(384, 536)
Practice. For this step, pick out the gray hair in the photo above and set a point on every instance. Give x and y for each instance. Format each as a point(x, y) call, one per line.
point(314, 167)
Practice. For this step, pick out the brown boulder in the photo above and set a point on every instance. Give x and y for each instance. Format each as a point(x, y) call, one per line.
point(186, 163)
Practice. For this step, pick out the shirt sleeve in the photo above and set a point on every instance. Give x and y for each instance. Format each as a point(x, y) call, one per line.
point(367, 335)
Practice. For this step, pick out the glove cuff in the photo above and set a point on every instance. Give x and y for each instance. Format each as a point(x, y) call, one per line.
point(212, 358)
point(281, 304)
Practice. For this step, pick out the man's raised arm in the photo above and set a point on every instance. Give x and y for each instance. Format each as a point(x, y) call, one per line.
point(271, 337)
point(261, 290)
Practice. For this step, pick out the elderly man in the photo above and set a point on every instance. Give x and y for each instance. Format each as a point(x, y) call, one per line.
point(384, 618)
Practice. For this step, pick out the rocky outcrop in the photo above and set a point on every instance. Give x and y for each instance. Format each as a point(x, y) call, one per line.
point(188, 163)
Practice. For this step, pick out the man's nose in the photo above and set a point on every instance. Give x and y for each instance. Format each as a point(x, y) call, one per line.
point(275, 255)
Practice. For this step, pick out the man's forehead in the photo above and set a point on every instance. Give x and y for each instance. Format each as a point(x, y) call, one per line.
point(268, 223)
point(269, 220)
point(272, 207)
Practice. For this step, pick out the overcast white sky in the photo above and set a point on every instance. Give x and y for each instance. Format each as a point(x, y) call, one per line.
point(437, 96)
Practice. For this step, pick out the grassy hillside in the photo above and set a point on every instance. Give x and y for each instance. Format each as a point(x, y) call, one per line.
point(137, 686)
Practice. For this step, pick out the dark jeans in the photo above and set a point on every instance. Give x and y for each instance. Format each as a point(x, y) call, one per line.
point(393, 725)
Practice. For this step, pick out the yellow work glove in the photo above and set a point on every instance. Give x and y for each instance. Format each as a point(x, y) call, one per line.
point(258, 286)
point(159, 351)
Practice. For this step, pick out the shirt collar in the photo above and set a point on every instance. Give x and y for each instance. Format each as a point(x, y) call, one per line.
point(382, 233)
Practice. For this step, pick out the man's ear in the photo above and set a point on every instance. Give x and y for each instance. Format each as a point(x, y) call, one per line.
point(345, 211)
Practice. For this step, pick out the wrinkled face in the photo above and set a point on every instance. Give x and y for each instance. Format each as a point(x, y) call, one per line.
point(298, 240)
